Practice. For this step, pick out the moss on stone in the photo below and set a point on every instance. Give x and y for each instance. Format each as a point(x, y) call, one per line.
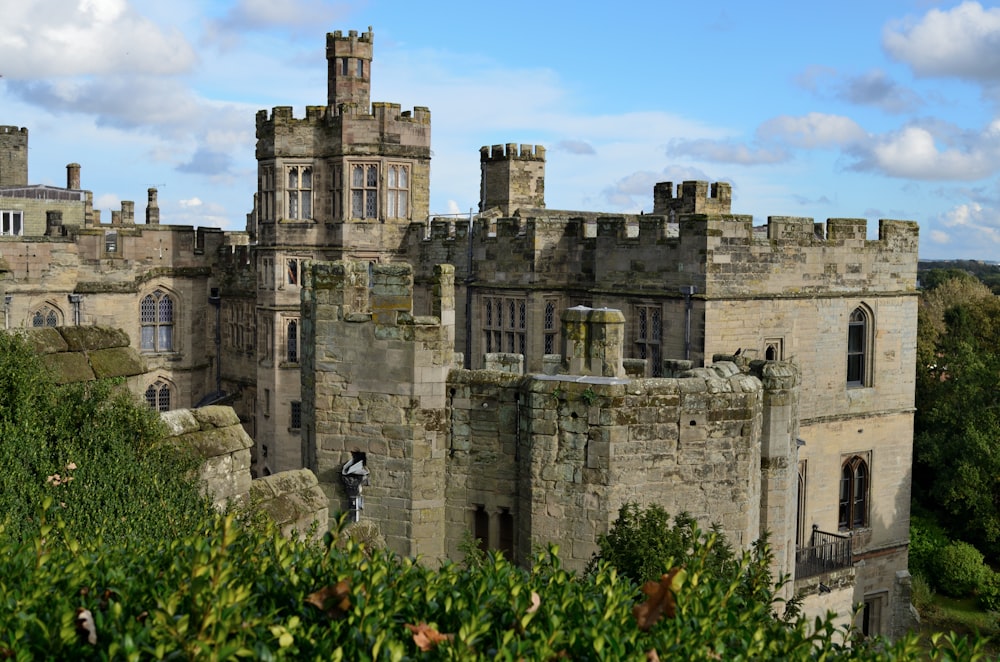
point(215, 416)
point(116, 362)
point(68, 367)
point(45, 340)
point(80, 338)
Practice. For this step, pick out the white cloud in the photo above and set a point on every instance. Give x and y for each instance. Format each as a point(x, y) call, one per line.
point(815, 130)
point(635, 190)
point(43, 38)
point(267, 14)
point(913, 153)
point(963, 42)
point(189, 203)
point(939, 237)
point(727, 151)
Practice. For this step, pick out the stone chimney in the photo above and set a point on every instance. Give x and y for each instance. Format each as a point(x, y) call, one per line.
point(593, 342)
point(73, 176)
point(152, 208)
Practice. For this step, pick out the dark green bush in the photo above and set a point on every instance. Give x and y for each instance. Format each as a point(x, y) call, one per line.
point(927, 539)
point(960, 569)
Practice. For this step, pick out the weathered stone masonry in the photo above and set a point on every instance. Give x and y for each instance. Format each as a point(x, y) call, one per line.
point(535, 458)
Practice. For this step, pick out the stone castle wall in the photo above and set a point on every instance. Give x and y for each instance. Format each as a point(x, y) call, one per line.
point(721, 256)
point(521, 460)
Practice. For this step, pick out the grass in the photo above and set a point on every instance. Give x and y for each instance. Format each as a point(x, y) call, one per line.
point(961, 616)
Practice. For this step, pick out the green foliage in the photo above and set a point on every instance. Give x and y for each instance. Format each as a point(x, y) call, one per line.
point(957, 424)
point(960, 569)
point(989, 591)
point(91, 449)
point(922, 593)
point(927, 539)
point(231, 592)
point(643, 544)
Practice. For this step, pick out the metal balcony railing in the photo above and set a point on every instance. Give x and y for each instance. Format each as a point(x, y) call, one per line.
point(826, 552)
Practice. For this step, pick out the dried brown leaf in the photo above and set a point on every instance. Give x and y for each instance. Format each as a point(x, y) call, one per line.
point(427, 638)
point(85, 626)
point(659, 602)
point(334, 600)
point(536, 601)
point(651, 655)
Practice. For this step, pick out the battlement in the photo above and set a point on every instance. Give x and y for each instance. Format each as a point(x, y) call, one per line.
point(511, 177)
point(693, 197)
point(512, 151)
point(13, 156)
point(352, 36)
point(349, 72)
point(328, 115)
point(720, 255)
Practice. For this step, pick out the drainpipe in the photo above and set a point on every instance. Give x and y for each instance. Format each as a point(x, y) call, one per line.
point(75, 299)
point(468, 297)
point(687, 291)
point(7, 299)
point(215, 300)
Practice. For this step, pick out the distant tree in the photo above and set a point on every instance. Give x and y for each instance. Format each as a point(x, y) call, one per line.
point(957, 424)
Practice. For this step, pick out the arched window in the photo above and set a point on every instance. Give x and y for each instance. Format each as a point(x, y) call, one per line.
point(158, 395)
point(858, 348)
point(44, 316)
point(156, 316)
point(854, 487)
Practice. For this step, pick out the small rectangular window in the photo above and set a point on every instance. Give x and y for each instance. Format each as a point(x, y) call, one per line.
point(11, 223)
point(111, 242)
point(293, 271)
point(296, 416)
point(361, 68)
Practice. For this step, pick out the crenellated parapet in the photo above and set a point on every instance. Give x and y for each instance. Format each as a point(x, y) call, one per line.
point(692, 197)
point(13, 156)
point(511, 177)
point(722, 255)
point(349, 61)
point(512, 151)
point(346, 129)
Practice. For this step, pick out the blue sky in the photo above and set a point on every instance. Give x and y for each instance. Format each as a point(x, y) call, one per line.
point(882, 109)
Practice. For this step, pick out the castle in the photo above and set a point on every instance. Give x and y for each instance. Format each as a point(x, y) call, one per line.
point(521, 374)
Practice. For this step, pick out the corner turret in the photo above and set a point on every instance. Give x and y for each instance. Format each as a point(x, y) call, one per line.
point(349, 71)
point(13, 156)
point(512, 178)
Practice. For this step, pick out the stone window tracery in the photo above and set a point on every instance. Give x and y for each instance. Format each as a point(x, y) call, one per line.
point(648, 337)
point(44, 316)
point(398, 191)
point(550, 327)
point(298, 190)
point(158, 395)
point(364, 190)
point(505, 324)
point(156, 318)
point(266, 185)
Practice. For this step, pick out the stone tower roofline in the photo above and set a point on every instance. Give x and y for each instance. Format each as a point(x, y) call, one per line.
point(510, 151)
point(379, 110)
point(349, 72)
point(693, 197)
